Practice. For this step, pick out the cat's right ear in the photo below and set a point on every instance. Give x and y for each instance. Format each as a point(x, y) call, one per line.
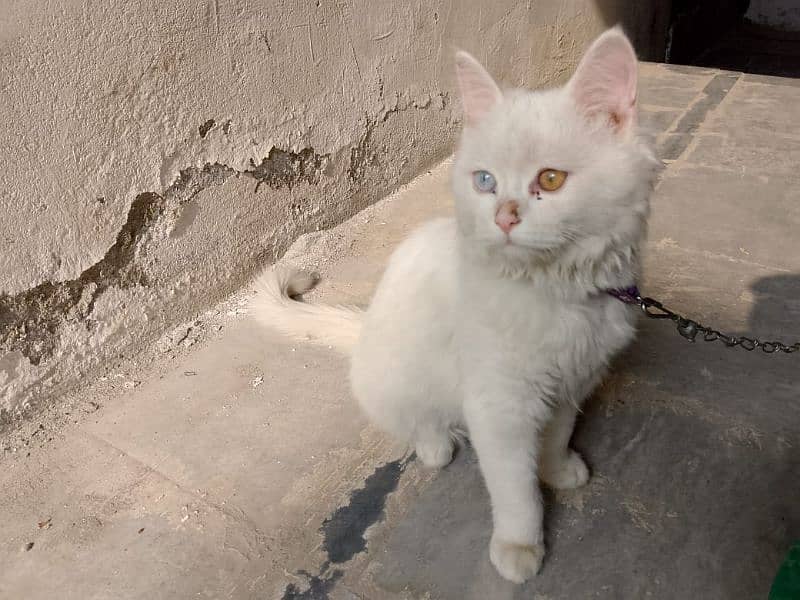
point(479, 92)
point(605, 81)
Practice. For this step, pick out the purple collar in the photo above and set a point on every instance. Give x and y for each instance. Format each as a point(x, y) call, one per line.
point(628, 295)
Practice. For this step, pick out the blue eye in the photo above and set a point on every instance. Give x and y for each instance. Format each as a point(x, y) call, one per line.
point(484, 182)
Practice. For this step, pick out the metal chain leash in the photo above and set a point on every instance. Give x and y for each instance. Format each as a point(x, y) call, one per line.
point(691, 329)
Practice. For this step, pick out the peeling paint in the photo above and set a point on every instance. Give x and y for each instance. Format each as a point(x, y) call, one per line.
point(206, 127)
point(29, 321)
point(359, 154)
point(283, 168)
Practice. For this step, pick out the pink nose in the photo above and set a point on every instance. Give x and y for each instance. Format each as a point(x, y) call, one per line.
point(507, 216)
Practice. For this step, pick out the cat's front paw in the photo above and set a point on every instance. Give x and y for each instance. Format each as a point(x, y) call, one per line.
point(565, 474)
point(515, 562)
point(435, 454)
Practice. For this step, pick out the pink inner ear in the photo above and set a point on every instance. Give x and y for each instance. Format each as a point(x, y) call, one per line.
point(605, 81)
point(479, 92)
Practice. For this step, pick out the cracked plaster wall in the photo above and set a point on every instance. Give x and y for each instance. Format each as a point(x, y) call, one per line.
point(155, 153)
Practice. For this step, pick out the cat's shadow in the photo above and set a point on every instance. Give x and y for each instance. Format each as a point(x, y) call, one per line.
point(776, 308)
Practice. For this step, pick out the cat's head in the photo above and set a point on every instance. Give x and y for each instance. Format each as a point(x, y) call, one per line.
point(543, 175)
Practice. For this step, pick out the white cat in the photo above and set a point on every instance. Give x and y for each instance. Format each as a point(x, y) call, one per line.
point(499, 320)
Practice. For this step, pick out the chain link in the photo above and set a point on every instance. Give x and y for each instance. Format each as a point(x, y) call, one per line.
point(691, 329)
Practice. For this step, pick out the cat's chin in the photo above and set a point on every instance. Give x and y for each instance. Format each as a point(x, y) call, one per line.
point(538, 253)
point(516, 260)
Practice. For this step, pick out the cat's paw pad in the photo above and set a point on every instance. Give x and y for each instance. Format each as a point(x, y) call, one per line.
point(516, 562)
point(566, 474)
point(435, 455)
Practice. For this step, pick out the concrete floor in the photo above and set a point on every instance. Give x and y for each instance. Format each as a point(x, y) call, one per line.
point(235, 465)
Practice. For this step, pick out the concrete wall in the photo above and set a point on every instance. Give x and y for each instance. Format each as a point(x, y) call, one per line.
point(156, 152)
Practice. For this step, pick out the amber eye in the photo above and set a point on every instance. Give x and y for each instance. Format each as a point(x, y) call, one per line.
point(551, 179)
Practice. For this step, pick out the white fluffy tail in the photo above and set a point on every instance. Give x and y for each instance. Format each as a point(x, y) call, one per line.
point(273, 307)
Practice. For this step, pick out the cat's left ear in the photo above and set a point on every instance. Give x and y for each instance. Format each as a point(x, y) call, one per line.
point(605, 80)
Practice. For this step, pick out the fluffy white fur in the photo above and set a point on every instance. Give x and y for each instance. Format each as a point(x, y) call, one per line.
point(505, 335)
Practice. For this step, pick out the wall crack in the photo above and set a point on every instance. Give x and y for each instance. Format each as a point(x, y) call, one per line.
point(33, 321)
point(29, 320)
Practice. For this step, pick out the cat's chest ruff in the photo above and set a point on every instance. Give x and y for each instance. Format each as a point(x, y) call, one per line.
point(521, 319)
point(546, 323)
